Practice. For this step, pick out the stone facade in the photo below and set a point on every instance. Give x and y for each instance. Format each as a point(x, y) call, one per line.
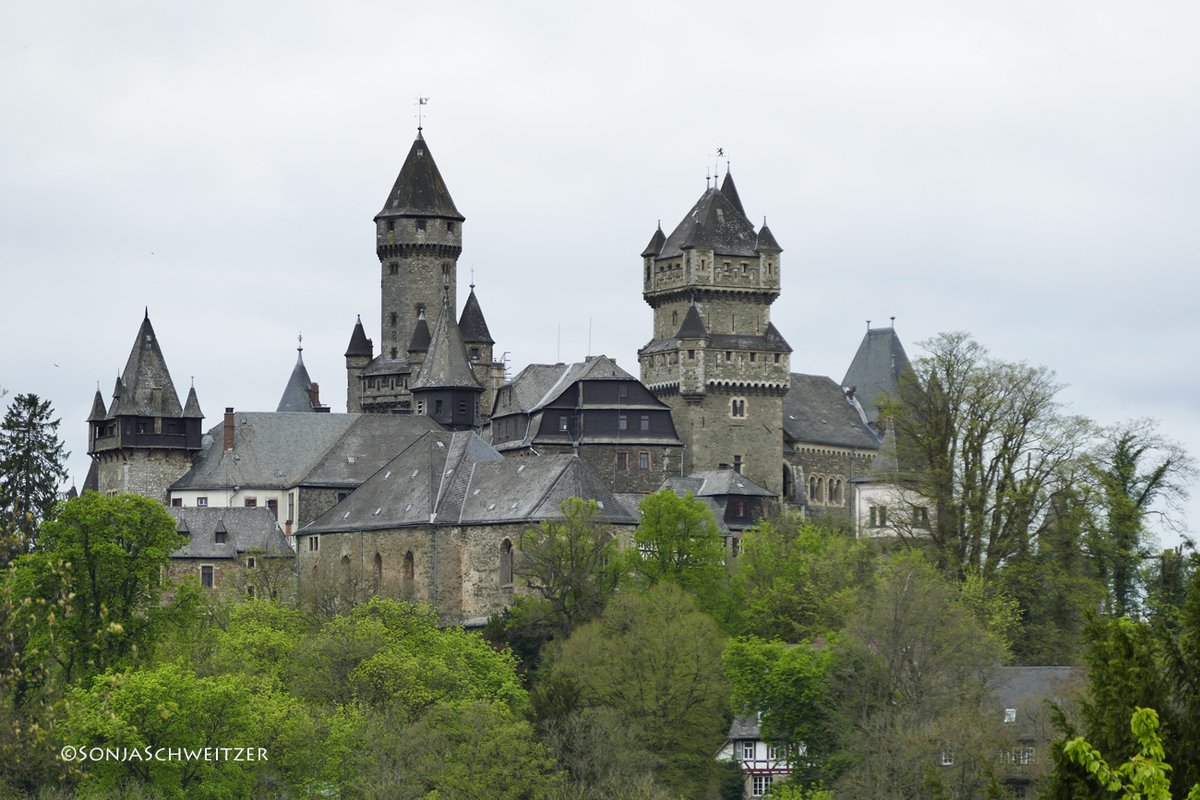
point(140, 471)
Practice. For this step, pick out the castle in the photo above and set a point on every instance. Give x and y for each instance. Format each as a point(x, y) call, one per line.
point(442, 462)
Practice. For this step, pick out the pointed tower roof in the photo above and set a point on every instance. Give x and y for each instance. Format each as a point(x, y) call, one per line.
point(359, 345)
point(730, 191)
point(693, 325)
point(876, 369)
point(446, 365)
point(766, 240)
point(98, 410)
point(714, 222)
point(297, 395)
point(145, 387)
point(191, 407)
point(472, 324)
point(419, 190)
point(420, 338)
point(656, 243)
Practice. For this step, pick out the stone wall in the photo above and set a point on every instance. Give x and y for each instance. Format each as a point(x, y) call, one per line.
point(144, 472)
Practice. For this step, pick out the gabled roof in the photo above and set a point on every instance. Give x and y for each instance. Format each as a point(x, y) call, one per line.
point(368, 444)
point(713, 222)
point(817, 411)
point(297, 395)
point(98, 410)
point(191, 408)
point(419, 343)
point(876, 369)
point(458, 479)
point(270, 450)
point(446, 365)
point(359, 345)
point(656, 243)
point(540, 384)
point(693, 325)
point(247, 530)
point(419, 190)
point(145, 377)
point(472, 324)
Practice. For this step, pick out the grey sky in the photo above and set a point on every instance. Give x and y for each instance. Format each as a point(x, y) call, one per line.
point(1029, 172)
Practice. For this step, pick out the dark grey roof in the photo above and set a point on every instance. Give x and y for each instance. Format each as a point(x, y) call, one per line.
point(419, 343)
point(98, 410)
point(297, 395)
point(693, 326)
point(744, 727)
point(359, 345)
point(1027, 690)
point(876, 369)
point(91, 482)
point(816, 410)
point(248, 530)
point(271, 450)
point(716, 483)
point(770, 342)
point(446, 365)
point(388, 366)
point(472, 324)
point(716, 223)
point(656, 243)
point(369, 443)
point(540, 384)
point(766, 240)
point(730, 191)
point(191, 408)
point(145, 376)
point(419, 190)
point(458, 479)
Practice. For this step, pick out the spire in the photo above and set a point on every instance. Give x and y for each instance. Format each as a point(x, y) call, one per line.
point(730, 191)
point(191, 408)
point(420, 338)
point(98, 410)
point(297, 395)
point(446, 365)
point(419, 190)
point(145, 387)
point(693, 325)
point(656, 243)
point(876, 369)
point(766, 240)
point(359, 345)
point(472, 324)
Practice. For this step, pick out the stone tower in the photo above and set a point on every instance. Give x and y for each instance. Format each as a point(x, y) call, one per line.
point(446, 388)
point(480, 351)
point(715, 357)
point(145, 440)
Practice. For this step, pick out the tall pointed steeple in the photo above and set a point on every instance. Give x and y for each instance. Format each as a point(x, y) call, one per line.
point(731, 193)
point(300, 394)
point(446, 388)
point(472, 324)
point(146, 385)
point(419, 343)
point(420, 190)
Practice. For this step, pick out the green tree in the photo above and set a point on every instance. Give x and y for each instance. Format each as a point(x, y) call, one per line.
point(31, 471)
point(678, 541)
point(1144, 775)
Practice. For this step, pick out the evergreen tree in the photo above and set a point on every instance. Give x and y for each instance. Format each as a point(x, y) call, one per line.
point(31, 470)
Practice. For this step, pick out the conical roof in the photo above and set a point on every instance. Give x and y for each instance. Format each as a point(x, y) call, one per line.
point(446, 365)
point(191, 407)
point(693, 325)
point(419, 190)
point(730, 191)
point(297, 395)
point(359, 345)
point(472, 324)
point(145, 387)
point(98, 410)
point(420, 338)
point(656, 243)
point(876, 369)
point(766, 241)
point(714, 222)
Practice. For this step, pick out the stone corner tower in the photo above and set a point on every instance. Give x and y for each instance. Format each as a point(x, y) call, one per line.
point(715, 357)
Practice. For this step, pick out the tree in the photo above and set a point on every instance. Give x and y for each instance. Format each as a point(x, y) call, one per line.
point(985, 442)
point(571, 563)
point(1138, 473)
point(678, 540)
point(1144, 775)
point(31, 471)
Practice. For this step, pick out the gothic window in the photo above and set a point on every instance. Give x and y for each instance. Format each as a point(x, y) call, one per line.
point(408, 566)
point(506, 563)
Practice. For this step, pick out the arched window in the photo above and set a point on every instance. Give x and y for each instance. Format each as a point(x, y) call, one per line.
point(407, 589)
point(506, 563)
point(378, 573)
point(737, 407)
point(408, 566)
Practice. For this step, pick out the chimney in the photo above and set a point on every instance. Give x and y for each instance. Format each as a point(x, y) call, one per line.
point(228, 428)
point(314, 394)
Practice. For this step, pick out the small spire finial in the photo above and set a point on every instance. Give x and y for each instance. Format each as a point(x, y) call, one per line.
point(193, 381)
point(868, 324)
point(893, 321)
point(300, 342)
point(147, 312)
point(421, 101)
point(472, 278)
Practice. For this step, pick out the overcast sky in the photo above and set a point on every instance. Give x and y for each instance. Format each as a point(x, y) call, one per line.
point(1025, 171)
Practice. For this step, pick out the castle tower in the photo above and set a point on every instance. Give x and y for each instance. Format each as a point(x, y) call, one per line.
point(479, 342)
point(715, 357)
point(301, 394)
point(446, 388)
point(358, 355)
point(145, 440)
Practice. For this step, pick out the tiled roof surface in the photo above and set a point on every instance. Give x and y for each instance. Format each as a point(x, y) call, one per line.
point(816, 411)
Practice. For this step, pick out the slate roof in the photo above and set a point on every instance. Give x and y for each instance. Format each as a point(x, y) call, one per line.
point(419, 343)
point(766, 240)
point(771, 341)
point(419, 190)
point(1027, 689)
point(297, 395)
point(446, 365)
point(145, 371)
point(271, 450)
point(370, 442)
point(730, 191)
point(472, 324)
point(359, 345)
point(248, 530)
point(745, 728)
point(656, 243)
point(816, 411)
point(191, 408)
point(459, 479)
point(713, 222)
point(716, 483)
point(876, 369)
point(98, 410)
point(693, 325)
point(540, 384)
point(388, 366)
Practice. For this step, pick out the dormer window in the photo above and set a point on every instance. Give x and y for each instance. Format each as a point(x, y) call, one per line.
point(221, 534)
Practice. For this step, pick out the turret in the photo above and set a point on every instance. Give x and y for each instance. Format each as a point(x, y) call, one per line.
point(446, 388)
point(358, 355)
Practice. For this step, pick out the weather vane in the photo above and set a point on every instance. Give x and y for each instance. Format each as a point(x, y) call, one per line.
point(421, 101)
point(300, 341)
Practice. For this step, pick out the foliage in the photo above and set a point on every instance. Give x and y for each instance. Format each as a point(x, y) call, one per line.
point(603, 755)
point(985, 442)
point(31, 471)
point(1144, 775)
point(571, 563)
point(678, 541)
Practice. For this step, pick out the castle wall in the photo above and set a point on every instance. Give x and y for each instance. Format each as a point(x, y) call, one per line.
point(144, 472)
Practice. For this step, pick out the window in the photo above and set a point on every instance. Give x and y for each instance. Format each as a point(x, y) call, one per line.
point(740, 507)
point(729, 355)
point(201, 502)
point(506, 563)
point(737, 407)
point(1025, 756)
point(176, 502)
point(1010, 715)
point(392, 317)
point(437, 408)
point(420, 224)
point(643, 460)
point(753, 357)
point(645, 423)
point(393, 269)
point(748, 746)
point(759, 785)
point(251, 502)
point(562, 423)
point(735, 546)
point(206, 576)
point(777, 358)
point(391, 225)
point(947, 757)
point(622, 460)
point(921, 518)
point(622, 422)
point(220, 533)
point(622, 391)
point(314, 542)
point(409, 567)
point(474, 353)
point(449, 226)
point(773, 753)
point(738, 464)
point(394, 350)
point(692, 355)
point(251, 562)
point(462, 408)
point(878, 516)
